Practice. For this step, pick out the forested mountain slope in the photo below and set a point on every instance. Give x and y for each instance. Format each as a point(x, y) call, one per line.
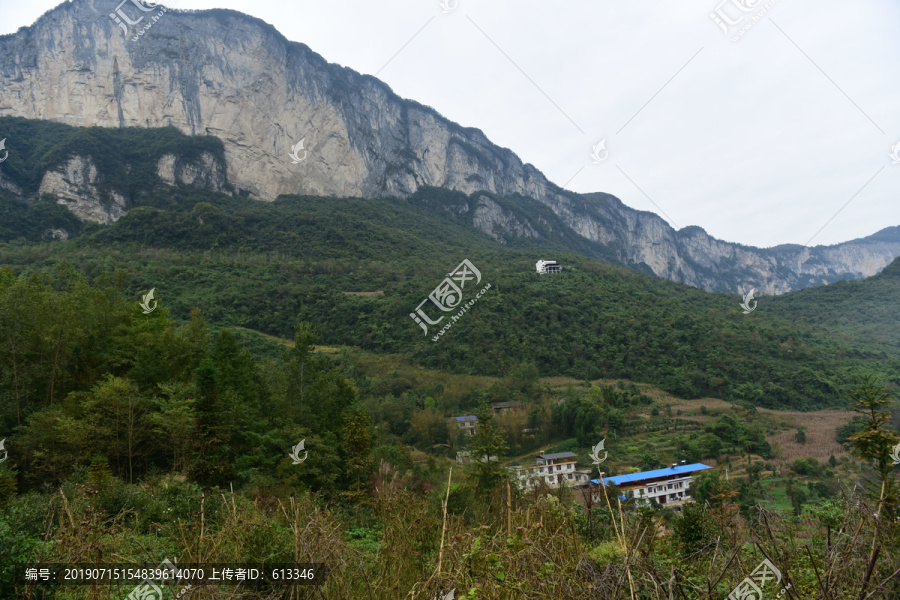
point(267, 265)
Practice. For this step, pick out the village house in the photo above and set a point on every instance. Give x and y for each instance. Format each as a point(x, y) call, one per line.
point(665, 486)
point(553, 469)
point(466, 423)
point(548, 266)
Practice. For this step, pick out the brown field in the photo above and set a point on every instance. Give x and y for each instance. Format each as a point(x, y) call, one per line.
point(560, 383)
point(820, 430)
point(694, 405)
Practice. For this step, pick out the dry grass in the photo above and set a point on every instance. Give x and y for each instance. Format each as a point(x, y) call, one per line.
point(694, 405)
point(385, 366)
point(820, 426)
point(507, 546)
point(289, 343)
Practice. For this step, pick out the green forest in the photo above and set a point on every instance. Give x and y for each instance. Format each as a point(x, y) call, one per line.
point(282, 330)
point(266, 266)
point(138, 436)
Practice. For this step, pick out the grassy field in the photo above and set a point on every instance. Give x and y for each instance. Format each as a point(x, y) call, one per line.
point(820, 427)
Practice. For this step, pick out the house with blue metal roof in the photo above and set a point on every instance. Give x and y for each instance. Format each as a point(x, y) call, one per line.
point(665, 486)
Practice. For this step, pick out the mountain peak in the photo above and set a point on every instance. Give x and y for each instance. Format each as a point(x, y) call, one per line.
point(224, 74)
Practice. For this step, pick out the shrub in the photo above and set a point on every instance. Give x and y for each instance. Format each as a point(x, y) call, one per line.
point(806, 466)
point(693, 529)
point(569, 445)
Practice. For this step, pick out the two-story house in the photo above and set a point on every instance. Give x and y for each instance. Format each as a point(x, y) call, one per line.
point(465, 423)
point(665, 486)
point(547, 266)
point(553, 469)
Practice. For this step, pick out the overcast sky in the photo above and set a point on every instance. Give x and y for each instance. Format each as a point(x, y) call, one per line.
point(782, 136)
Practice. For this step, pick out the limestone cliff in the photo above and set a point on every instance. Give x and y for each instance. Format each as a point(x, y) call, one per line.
point(228, 75)
point(75, 185)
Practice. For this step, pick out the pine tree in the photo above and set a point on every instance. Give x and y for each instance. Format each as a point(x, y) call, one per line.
point(211, 463)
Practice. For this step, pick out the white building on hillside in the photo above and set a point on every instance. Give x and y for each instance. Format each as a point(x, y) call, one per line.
point(665, 486)
point(553, 469)
point(466, 423)
point(548, 266)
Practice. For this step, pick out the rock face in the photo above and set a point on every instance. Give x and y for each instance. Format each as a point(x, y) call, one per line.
point(693, 256)
point(207, 172)
point(261, 94)
point(75, 184)
point(491, 218)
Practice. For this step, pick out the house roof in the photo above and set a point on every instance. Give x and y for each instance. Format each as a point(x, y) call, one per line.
point(466, 418)
point(556, 455)
point(644, 475)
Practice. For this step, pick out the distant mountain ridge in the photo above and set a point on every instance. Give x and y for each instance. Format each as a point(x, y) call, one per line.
point(260, 94)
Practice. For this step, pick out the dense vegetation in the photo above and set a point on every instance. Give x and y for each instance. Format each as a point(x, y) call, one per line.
point(266, 265)
point(145, 436)
point(263, 266)
point(126, 159)
point(861, 313)
point(130, 425)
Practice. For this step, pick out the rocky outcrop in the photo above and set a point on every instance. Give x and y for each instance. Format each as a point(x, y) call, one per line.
point(261, 94)
point(206, 172)
point(693, 256)
point(56, 234)
point(491, 218)
point(76, 185)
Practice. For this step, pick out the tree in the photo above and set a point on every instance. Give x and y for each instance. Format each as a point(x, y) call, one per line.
point(874, 443)
point(356, 441)
point(241, 385)
point(19, 340)
point(429, 428)
point(693, 529)
point(710, 445)
point(798, 498)
point(486, 443)
point(305, 338)
point(172, 419)
point(707, 486)
point(211, 463)
point(118, 400)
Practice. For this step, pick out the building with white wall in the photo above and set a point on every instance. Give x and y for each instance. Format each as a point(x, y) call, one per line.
point(465, 423)
point(548, 266)
point(553, 469)
point(670, 486)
